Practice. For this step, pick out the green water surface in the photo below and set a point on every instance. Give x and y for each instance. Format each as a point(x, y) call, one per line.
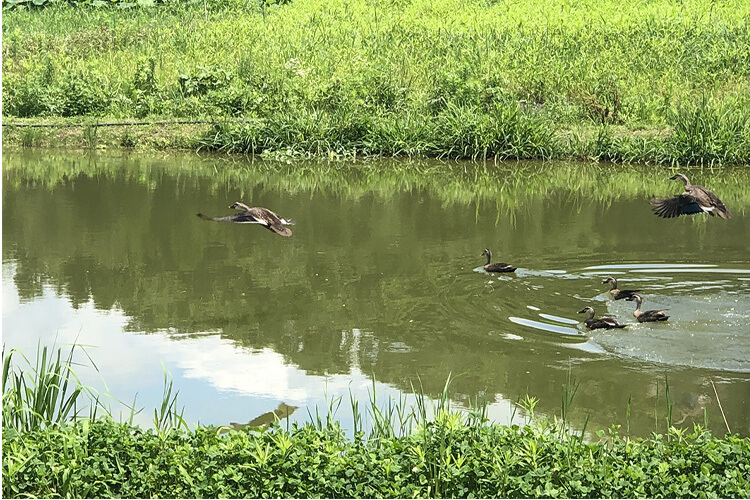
point(380, 286)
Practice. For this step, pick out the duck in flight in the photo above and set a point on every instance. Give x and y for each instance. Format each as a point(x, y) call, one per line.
point(695, 200)
point(497, 267)
point(255, 215)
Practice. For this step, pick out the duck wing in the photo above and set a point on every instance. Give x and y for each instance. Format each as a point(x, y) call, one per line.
point(241, 218)
point(499, 267)
point(683, 204)
point(709, 202)
point(624, 294)
point(605, 323)
point(653, 315)
point(269, 219)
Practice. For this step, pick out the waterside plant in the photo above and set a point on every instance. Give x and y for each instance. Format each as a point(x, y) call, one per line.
point(644, 82)
point(443, 454)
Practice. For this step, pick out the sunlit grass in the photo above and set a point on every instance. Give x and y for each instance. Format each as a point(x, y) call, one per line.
point(480, 80)
point(411, 451)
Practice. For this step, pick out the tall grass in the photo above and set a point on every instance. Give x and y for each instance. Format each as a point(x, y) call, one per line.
point(48, 393)
point(443, 78)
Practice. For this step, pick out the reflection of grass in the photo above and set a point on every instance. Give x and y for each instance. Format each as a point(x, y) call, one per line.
point(507, 185)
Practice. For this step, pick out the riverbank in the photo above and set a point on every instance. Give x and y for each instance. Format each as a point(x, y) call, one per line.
point(657, 82)
point(443, 459)
point(60, 440)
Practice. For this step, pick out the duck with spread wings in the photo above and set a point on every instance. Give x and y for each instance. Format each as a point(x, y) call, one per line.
point(695, 200)
point(255, 215)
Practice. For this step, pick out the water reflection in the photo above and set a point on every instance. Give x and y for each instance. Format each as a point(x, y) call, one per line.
point(377, 281)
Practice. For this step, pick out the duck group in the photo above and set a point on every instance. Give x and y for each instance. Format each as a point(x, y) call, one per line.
point(694, 200)
point(653, 315)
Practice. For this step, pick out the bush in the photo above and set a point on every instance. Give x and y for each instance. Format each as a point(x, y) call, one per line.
point(443, 458)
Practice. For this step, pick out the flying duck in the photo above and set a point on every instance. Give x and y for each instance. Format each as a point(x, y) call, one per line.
point(593, 324)
point(695, 200)
point(645, 316)
point(497, 267)
point(255, 215)
point(618, 294)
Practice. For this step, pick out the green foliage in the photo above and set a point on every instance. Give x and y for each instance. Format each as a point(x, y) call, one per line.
point(445, 458)
point(711, 134)
point(122, 4)
point(49, 451)
point(441, 78)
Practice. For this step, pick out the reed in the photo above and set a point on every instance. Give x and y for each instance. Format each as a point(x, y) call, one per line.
point(45, 394)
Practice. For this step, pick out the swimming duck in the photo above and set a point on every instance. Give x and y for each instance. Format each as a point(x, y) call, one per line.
point(618, 294)
point(497, 267)
point(695, 200)
point(593, 324)
point(645, 316)
point(255, 215)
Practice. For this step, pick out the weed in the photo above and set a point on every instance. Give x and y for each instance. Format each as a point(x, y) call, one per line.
point(91, 135)
point(30, 136)
point(128, 139)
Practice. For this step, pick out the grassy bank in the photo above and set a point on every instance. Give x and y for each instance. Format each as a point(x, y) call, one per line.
point(52, 448)
point(443, 459)
point(656, 82)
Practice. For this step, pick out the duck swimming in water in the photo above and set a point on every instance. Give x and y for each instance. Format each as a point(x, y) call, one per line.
point(695, 200)
point(497, 267)
point(618, 294)
point(593, 324)
point(255, 215)
point(647, 316)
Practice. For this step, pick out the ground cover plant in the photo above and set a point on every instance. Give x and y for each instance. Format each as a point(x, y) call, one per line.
point(416, 452)
point(445, 458)
point(655, 81)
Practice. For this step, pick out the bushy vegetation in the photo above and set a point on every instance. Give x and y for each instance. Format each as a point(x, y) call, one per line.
point(646, 81)
point(406, 454)
point(443, 458)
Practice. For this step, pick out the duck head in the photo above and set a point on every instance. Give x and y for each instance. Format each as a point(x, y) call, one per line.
point(238, 205)
point(587, 309)
point(680, 177)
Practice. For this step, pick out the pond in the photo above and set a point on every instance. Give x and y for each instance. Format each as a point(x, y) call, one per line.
point(380, 289)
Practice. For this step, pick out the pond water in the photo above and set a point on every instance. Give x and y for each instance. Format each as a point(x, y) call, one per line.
point(380, 288)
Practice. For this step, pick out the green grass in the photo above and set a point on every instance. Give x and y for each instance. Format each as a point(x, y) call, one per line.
point(410, 452)
point(46, 394)
point(445, 457)
point(654, 81)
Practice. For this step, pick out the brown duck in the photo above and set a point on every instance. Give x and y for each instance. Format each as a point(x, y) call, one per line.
point(695, 200)
point(618, 294)
point(593, 324)
point(255, 215)
point(647, 316)
point(497, 267)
